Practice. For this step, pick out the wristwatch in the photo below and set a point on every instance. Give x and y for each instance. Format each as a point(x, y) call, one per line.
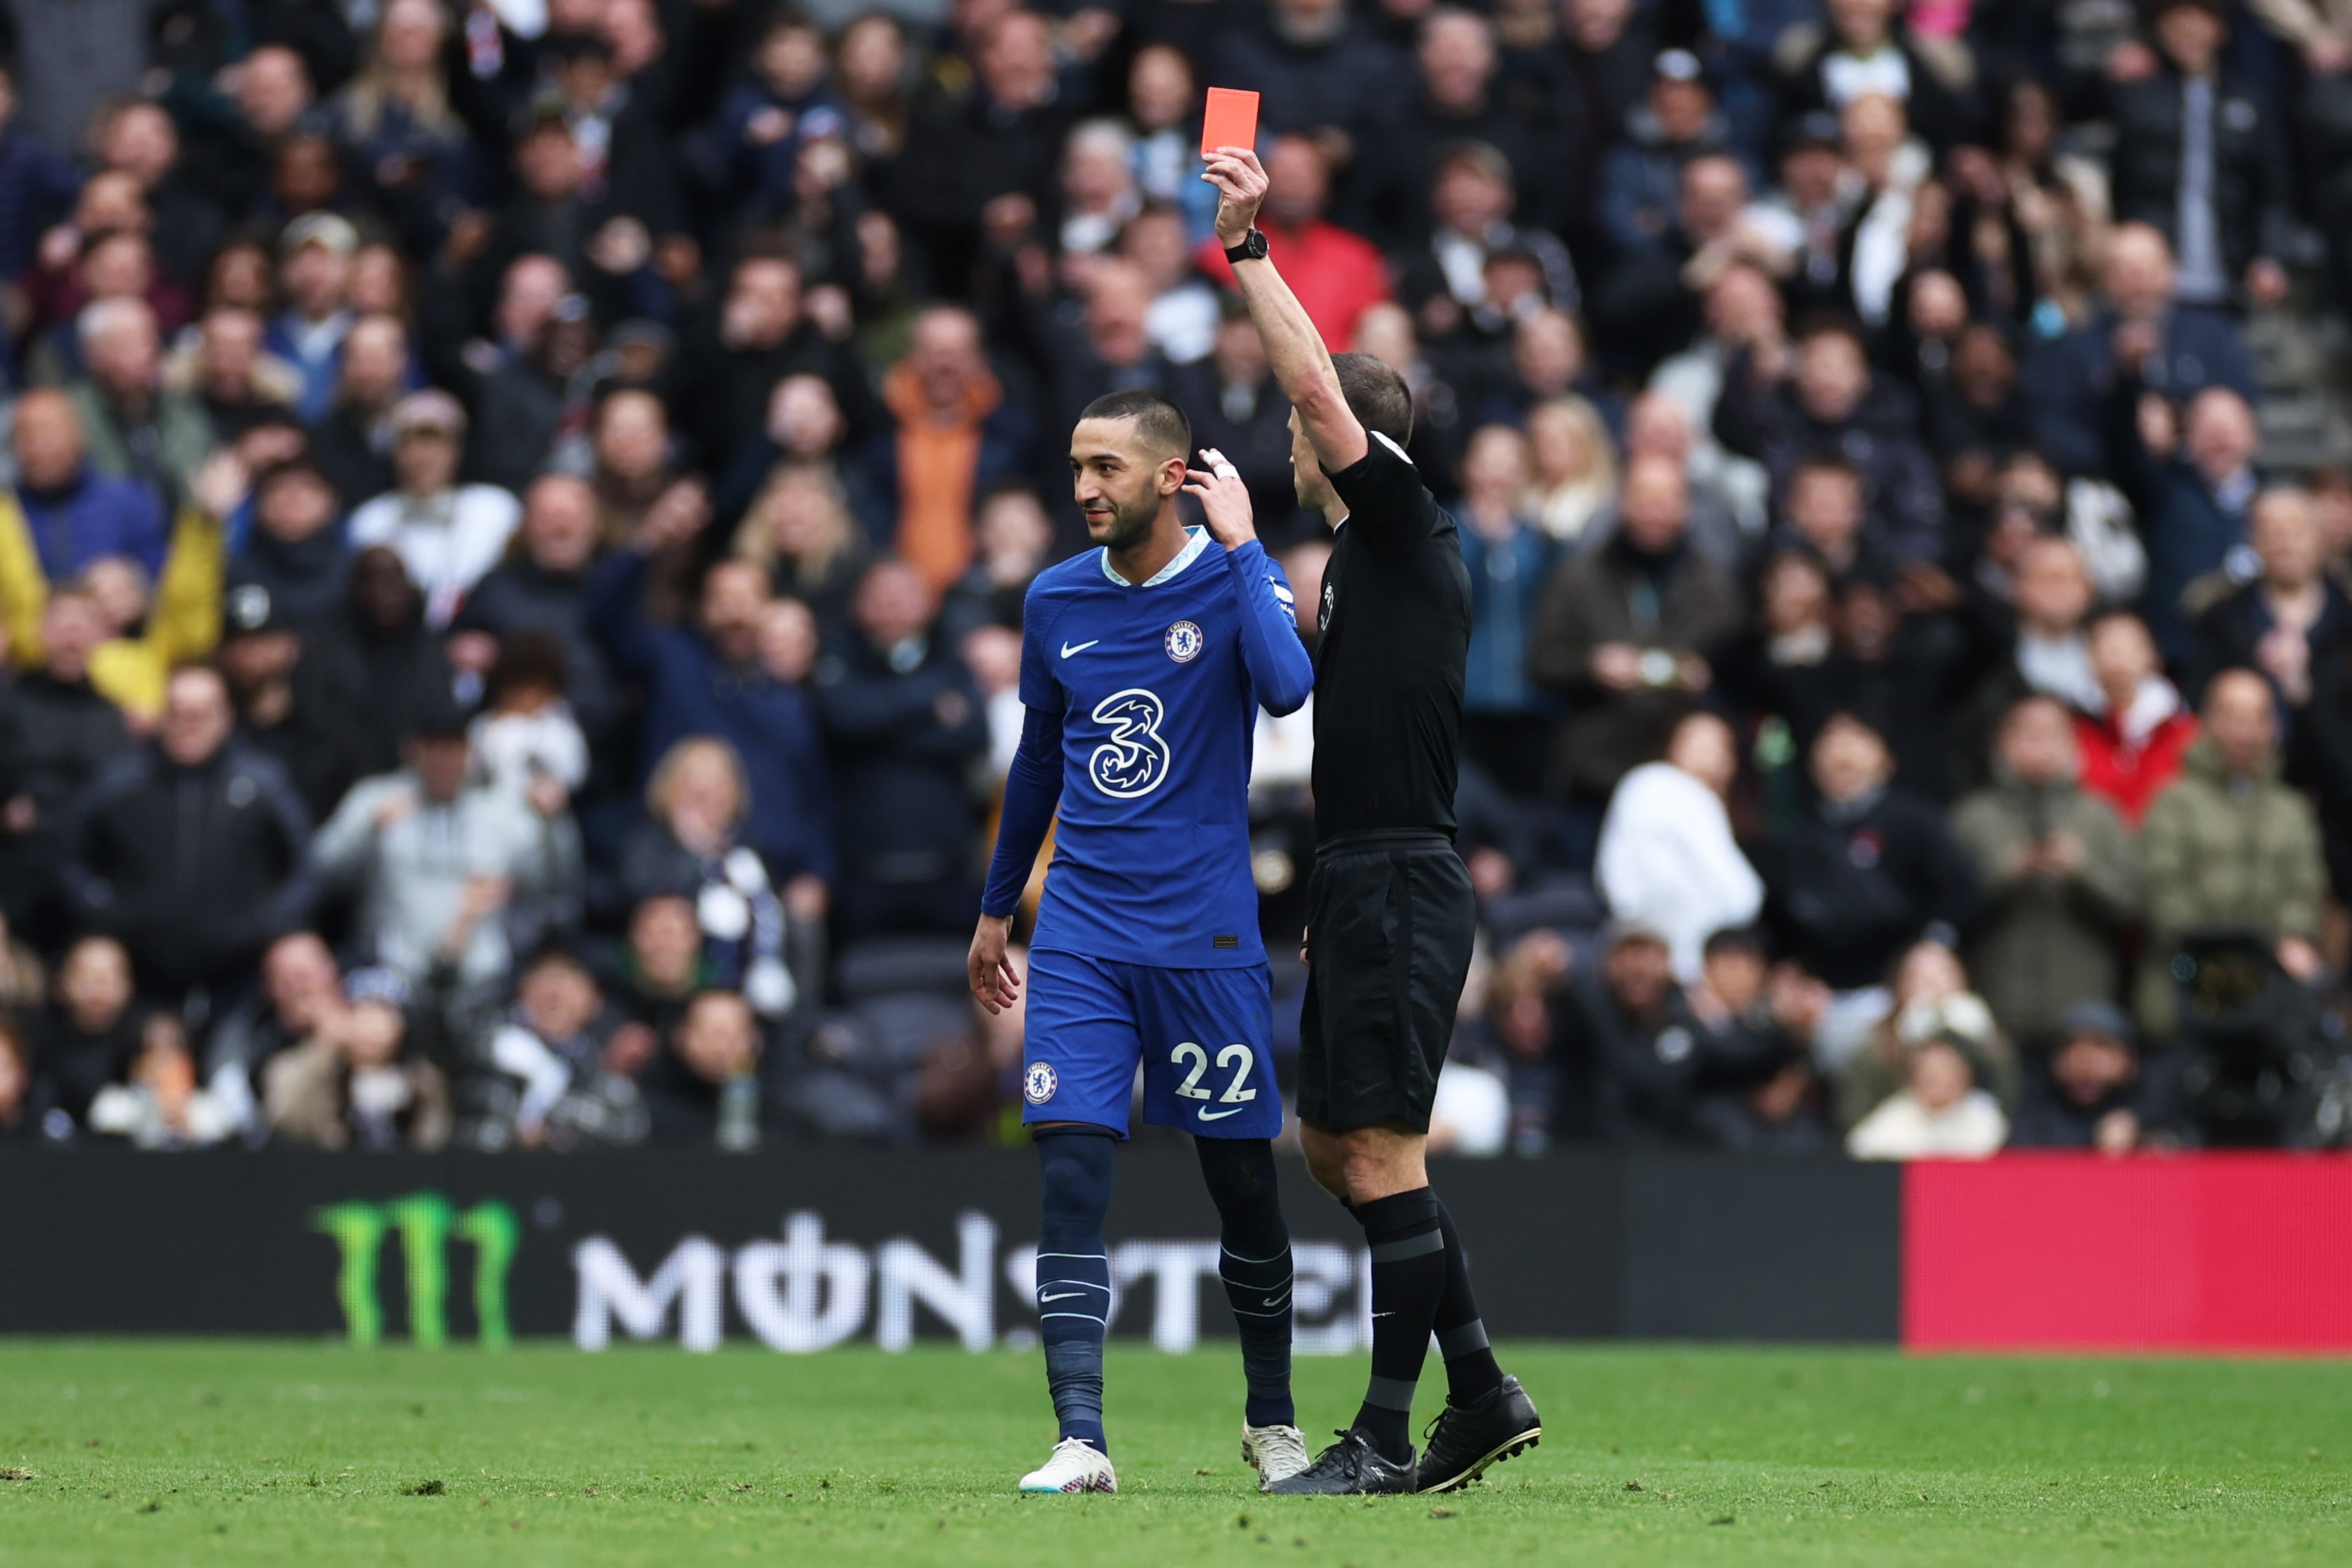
point(1252, 248)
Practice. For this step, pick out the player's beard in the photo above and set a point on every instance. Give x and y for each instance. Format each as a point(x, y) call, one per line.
point(1129, 525)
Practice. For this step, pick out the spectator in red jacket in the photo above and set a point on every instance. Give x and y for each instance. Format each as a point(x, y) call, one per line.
point(1337, 274)
point(2133, 749)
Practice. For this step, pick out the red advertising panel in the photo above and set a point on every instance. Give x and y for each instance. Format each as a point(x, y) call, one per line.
point(2218, 1252)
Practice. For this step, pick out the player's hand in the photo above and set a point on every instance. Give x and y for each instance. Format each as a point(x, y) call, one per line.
point(1241, 183)
point(995, 983)
point(1225, 499)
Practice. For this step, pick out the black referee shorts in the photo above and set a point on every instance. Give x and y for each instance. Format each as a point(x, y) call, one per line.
point(1390, 924)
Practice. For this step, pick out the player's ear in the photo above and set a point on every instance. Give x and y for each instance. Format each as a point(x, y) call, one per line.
point(1171, 475)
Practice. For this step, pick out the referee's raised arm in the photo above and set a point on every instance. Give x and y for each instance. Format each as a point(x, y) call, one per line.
point(1293, 347)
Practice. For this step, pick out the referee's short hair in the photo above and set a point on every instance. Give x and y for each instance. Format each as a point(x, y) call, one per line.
point(1376, 395)
point(1160, 422)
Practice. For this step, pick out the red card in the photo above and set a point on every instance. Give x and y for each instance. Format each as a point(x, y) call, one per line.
point(1230, 121)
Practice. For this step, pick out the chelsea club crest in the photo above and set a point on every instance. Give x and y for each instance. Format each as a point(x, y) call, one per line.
point(1184, 642)
point(1037, 1085)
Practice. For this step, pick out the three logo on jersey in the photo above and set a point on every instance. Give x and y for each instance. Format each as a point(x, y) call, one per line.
point(1135, 760)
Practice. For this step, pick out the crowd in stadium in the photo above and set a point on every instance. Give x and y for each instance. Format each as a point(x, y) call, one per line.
point(516, 515)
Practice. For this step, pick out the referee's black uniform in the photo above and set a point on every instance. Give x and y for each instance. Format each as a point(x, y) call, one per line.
point(1392, 914)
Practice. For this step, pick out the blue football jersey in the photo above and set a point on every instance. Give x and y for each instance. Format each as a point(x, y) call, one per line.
point(1157, 687)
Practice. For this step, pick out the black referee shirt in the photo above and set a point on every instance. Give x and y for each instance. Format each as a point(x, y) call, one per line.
point(1395, 619)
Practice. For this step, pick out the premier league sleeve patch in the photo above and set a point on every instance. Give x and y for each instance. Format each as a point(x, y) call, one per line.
point(1037, 1085)
point(1184, 642)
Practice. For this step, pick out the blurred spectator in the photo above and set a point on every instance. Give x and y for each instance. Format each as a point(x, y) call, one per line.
point(1340, 274)
point(1765, 1098)
point(442, 862)
point(2229, 847)
point(1237, 409)
point(565, 1062)
point(135, 427)
point(1940, 1114)
point(701, 1088)
point(2191, 478)
point(359, 1081)
point(92, 1032)
point(352, 439)
point(2136, 745)
point(2178, 351)
point(447, 535)
point(1574, 478)
point(292, 709)
point(709, 680)
point(294, 553)
point(23, 983)
point(690, 847)
point(73, 514)
point(1505, 718)
point(2199, 155)
point(1321, 71)
point(661, 964)
point(542, 586)
point(957, 437)
point(1652, 1059)
point(300, 987)
point(1781, 408)
point(1869, 868)
point(21, 1116)
point(60, 731)
point(2289, 620)
point(1641, 177)
point(1667, 860)
point(37, 185)
point(190, 851)
point(315, 269)
point(1621, 634)
point(903, 723)
point(525, 739)
point(381, 647)
point(159, 1104)
point(1871, 46)
point(1478, 270)
point(2060, 874)
point(800, 533)
point(2085, 1092)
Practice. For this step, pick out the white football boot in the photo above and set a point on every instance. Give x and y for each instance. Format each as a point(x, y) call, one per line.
point(1076, 1464)
point(1276, 1453)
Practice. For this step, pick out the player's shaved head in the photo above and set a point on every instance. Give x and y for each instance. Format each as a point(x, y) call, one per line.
point(1165, 431)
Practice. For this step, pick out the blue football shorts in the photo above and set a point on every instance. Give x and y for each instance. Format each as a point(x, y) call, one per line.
point(1204, 1037)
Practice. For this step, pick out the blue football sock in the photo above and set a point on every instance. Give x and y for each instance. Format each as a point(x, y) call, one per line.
point(1254, 1264)
point(1074, 1274)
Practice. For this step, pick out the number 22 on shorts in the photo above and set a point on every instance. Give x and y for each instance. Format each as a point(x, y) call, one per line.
point(1235, 1058)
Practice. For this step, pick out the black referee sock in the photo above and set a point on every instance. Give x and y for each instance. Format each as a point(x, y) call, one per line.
point(1470, 1373)
point(1409, 1270)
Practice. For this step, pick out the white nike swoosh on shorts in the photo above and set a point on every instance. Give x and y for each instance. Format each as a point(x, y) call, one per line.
point(1221, 1115)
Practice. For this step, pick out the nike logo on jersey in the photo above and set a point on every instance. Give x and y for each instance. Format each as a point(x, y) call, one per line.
point(1070, 648)
point(1207, 1115)
point(1065, 1296)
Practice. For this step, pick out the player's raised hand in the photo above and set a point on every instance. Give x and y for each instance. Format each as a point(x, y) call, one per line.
point(995, 983)
point(1225, 499)
point(1241, 183)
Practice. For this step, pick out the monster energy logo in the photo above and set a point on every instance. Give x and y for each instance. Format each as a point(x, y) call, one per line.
point(426, 1222)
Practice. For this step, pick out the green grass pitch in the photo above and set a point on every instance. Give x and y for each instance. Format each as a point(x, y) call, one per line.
point(267, 1453)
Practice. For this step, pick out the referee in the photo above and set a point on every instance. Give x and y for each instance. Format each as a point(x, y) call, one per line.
point(1390, 912)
